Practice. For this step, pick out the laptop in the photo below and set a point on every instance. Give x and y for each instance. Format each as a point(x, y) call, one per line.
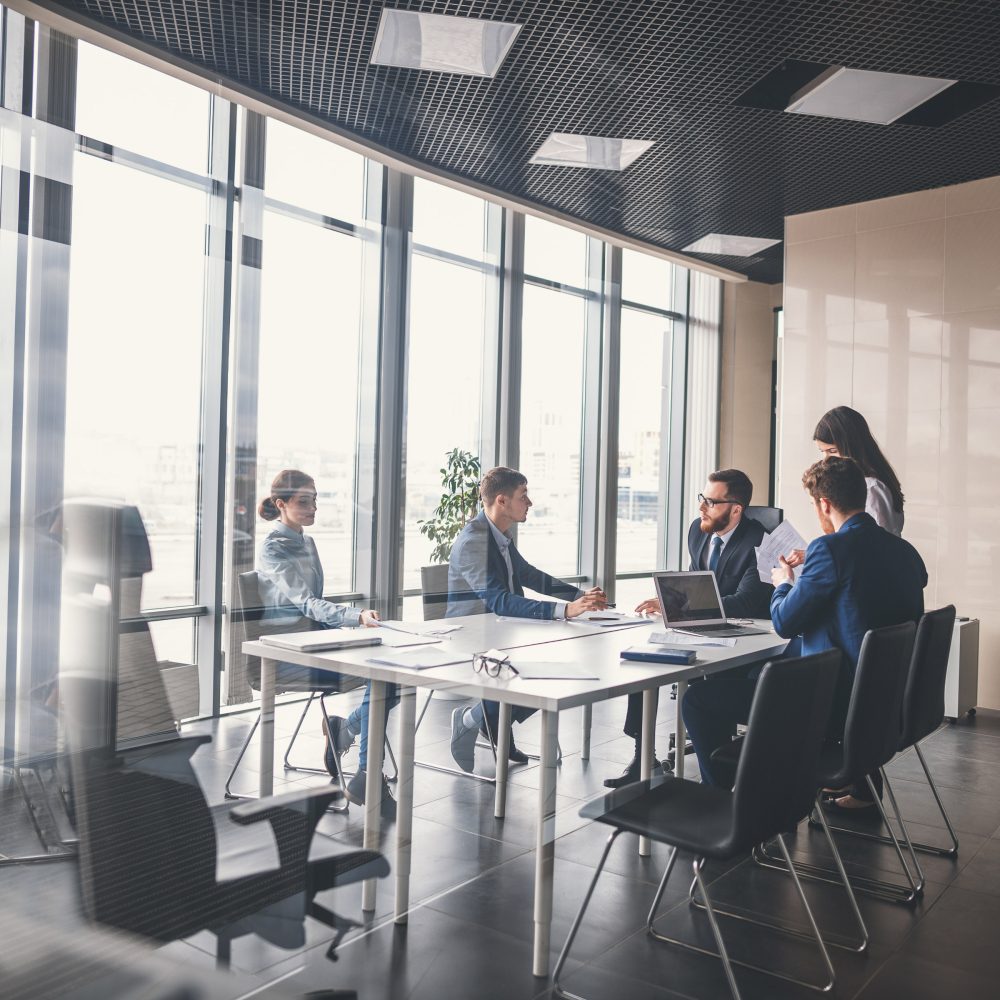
point(321, 640)
point(690, 602)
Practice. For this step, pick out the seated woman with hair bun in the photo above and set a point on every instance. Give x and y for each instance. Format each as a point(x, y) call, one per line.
point(291, 585)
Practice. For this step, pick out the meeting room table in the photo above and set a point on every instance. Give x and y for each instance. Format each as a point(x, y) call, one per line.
point(595, 650)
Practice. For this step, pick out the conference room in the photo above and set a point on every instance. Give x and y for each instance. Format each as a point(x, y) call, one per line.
point(375, 378)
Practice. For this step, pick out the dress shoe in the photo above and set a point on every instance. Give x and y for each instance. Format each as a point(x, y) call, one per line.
point(355, 792)
point(630, 774)
point(463, 741)
point(338, 734)
point(514, 755)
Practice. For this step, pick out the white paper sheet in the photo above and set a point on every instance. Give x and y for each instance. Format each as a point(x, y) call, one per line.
point(682, 639)
point(437, 628)
point(778, 543)
point(422, 658)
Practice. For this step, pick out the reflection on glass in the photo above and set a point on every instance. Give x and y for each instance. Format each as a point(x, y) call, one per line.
point(552, 426)
point(554, 252)
point(644, 398)
point(134, 107)
point(448, 220)
point(133, 393)
point(445, 388)
point(308, 381)
point(647, 280)
point(310, 172)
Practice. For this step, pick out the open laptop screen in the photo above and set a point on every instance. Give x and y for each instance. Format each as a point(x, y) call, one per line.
point(688, 598)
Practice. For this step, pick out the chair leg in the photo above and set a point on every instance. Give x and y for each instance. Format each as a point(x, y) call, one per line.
point(892, 892)
point(727, 962)
point(243, 750)
point(792, 931)
point(443, 768)
point(223, 950)
point(289, 766)
point(557, 988)
point(941, 852)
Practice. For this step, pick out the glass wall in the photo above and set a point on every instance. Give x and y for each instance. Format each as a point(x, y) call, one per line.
point(229, 296)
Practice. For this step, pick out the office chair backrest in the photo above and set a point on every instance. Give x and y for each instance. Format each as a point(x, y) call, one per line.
point(250, 607)
point(434, 591)
point(923, 700)
point(776, 776)
point(769, 517)
point(875, 712)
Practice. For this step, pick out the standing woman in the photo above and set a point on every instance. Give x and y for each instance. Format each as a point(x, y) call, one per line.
point(291, 586)
point(844, 432)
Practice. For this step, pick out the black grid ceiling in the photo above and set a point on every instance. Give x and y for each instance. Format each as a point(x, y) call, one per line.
point(642, 69)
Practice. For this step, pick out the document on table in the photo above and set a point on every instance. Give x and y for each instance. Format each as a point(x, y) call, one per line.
point(398, 640)
point(683, 639)
point(422, 658)
point(778, 543)
point(431, 628)
point(610, 619)
point(554, 672)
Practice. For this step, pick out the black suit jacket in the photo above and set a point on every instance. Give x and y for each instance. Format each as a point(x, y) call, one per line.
point(744, 595)
point(477, 578)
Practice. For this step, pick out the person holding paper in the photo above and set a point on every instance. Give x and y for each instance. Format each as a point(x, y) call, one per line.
point(722, 540)
point(487, 574)
point(845, 433)
point(290, 577)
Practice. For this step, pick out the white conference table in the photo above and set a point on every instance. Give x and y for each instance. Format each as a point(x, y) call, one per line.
point(595, 648)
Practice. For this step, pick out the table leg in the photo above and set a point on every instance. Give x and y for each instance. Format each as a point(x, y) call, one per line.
point(588, 721)
point(545, 842)
point(680, 739)
point(267, 672)
point(503, 762)
point(650, 700)
point(373, 782)
point(404, 796)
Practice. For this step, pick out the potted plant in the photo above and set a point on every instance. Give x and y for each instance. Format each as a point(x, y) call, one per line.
point(459, 503)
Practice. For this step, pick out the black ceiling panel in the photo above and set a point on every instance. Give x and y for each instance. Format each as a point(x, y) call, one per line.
point(670, 71)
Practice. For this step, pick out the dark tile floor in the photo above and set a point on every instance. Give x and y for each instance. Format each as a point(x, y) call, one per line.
point(470, 929)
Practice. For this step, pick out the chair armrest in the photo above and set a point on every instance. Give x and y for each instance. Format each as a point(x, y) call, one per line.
point(314, 801)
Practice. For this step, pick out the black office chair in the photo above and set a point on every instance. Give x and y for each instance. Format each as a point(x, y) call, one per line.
point(775, 784)
point(923, 710)
point(150, 845)
point(871, 738)
point(290, 679)
point(769, 517)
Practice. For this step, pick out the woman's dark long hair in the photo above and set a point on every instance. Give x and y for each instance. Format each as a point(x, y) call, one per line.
point(849, 432)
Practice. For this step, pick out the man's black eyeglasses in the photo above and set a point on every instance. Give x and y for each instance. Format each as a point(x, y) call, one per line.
point(492, 666)
point(710, 503)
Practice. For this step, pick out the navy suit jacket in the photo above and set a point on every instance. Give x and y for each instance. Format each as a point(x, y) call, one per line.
point(858, 578)
point(477, 578)
point(744, 594)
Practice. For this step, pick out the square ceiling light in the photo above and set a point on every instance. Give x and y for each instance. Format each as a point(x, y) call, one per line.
point(563, 149)
point(861, 95)
point(442, 43)
point(730, 246)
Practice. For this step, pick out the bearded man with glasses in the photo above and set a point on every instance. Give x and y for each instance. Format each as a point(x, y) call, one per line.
point(722, 540)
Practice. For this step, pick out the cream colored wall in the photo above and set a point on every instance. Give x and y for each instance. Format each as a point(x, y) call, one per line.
point(893, 307)
point(747, 355)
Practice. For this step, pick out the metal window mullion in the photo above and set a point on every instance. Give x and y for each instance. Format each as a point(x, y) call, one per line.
point(46, 349)
point(17, 59)
point(671, 523)
point(215, 400)
point(248, 254)
point(388, 451)
point(508, 450)
point(592, 540)
point(494, 318)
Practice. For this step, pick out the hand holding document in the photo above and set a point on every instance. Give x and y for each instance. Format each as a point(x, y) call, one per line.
point(778, 543)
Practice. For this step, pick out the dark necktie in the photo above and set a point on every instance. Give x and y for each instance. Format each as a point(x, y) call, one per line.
point(713, 559)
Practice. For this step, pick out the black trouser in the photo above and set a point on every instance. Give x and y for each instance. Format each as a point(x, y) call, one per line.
point(633, 717)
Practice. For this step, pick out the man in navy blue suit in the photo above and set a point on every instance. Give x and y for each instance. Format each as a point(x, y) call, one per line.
point(856, 577)
point(723, 540)
point(487, 573)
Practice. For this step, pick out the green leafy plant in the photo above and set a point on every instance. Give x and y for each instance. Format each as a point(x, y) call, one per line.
point(459, 503)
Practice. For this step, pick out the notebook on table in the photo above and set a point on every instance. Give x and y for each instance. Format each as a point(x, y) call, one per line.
point(690, 602)
point(321, 640)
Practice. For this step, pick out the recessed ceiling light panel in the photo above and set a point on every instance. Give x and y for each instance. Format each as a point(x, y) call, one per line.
point(864, 96)
point(442, 43)
point(725, 245)
point(562, 149)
